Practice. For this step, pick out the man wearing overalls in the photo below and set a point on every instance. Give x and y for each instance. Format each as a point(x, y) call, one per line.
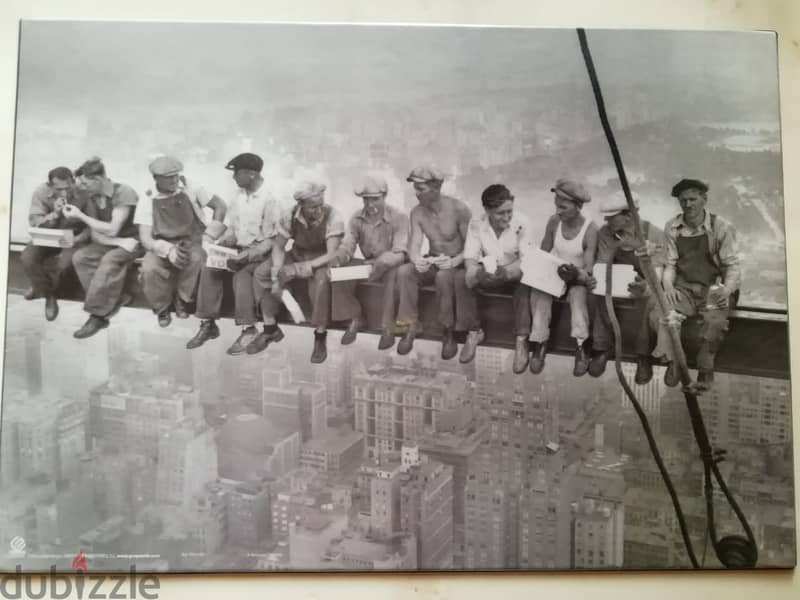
point(102, 266)
point(45, 266)
point(317, 230)
point(572, 237)
point(172, 225)
point(616, 244)
point(701, 277)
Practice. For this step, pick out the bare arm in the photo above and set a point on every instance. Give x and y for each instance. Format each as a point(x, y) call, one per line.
point(111, 228)
point(219, 207)
point(415, 240)
point(332, 245)
point(278, 255)
point(590, 247)
point(146, 238)
point(549, 234)
point(464, 217)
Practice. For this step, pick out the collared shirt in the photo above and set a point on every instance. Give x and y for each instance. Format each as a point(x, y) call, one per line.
point(253, 217)
point(198, 196)
point(607, 244)
point(100, 206)
point(389, 233)
point(335, 225)
point(723, 245)
point(43, 203)
point(509, 246)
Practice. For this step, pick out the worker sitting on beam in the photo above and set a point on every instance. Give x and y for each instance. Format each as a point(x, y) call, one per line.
point(45, 266)
point(495, 243)
point(172, 226)
point(572, 237)
point(381, 232)
point(617, 244)
point(701, 277)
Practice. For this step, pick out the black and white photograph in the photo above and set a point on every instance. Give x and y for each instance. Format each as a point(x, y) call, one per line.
point(338, 297)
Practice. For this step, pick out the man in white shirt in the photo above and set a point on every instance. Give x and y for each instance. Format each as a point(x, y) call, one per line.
point(252, 220)
point(172, 226)
point(496, 241)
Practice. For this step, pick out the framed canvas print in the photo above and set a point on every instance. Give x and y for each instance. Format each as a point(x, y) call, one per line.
point(303, 297)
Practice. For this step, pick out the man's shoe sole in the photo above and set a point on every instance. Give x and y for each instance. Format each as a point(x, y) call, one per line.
point(86, 336)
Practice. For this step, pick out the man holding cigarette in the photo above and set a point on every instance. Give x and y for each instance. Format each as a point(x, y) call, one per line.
point(381, 232)
point(251, 226)
point(172, 226)
point(43, 265)
point(102, 266)
point(444, 221)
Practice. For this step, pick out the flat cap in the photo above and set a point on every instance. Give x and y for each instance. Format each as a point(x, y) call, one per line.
point(615, 205)
point(165, 166)
point(308, 190)
point(571, 190)
point(424, 174)
point(689, 184)
point(246, 160)
point(371, 185)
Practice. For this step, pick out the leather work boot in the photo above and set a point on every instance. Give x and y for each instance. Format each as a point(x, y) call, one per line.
point(180, 309)
point(92, 326)
point(164, 318)
point(597, 365)
point(208, 331)
point(407, 343)
point(240, 345)
point(51, 308)
point(521, 354)
point(352, 331)
point(671, 376)
point(474, 338)
point(386, 341)
point(320, 352)
point(538, 355)
point(449, 345)
point(705, 378)
point(644, 370)
point(581, 361)
point(264, 339)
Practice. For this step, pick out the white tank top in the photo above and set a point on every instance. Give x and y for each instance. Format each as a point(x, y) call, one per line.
point(570, 250)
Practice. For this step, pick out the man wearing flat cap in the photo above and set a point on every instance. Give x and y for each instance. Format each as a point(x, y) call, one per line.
point(316, 230)
point(617, 244)
point(381, 232)
point(572, 237)
point(102, 265)
point(701, 277)
point(251, 221)
point(172, 225)
point(45, 266)
point(444, 221)
point(496, 242)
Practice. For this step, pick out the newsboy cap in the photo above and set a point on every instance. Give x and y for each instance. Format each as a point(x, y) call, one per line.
point(246, 160)
point(371, 185)
point(615, 205)
point(425, 174)
point(165, 166)
point(571, 190)
point(308, 190)
point(689, 184)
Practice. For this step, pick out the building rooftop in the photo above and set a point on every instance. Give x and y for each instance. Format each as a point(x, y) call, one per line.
point(334, 440)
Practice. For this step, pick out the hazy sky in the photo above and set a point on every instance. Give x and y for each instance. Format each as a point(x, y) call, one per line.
point(74, 62)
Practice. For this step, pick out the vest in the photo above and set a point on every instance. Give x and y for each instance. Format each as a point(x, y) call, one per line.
point(310, 242)
point(174, 218)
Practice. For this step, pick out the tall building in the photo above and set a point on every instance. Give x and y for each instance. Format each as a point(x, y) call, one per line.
point(23, 363)
point(251, 448)
point(337, 452)
point(381, 483)
point(649, 395)
point(597, 529)
point(71, 439)
point(426, 511)
point(397, 405)
point(37, 435)
point(72, 375)
point(187, 461)
point(173, 360)
point(335, 376)
point(294, 405)
point(208, 517)
point(248, 514)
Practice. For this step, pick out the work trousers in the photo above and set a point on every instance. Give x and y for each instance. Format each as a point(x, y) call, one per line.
point(210, 294)
point(346, 307)
point(602, 334)
point(44, 267)
point(713, 327)
point(541, 310)
point(102, 270)
point(317, 287)
point(455, 301)
point(163, 282)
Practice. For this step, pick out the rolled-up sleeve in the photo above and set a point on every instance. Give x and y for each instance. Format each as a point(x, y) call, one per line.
point(472, 245)
point(400, 231)
point(729, 257)
point(144, 212)
point(670, 247)
point(335, 226)
point(657, 237)
point(348, 247)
